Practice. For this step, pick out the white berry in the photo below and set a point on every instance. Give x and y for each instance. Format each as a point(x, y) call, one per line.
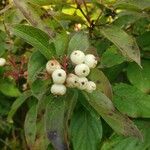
point(82, 83)
point(2, 62)
point(52, 65)
point(59, 76)
point(82, 70)
point(58, 89)
point(90, 86)
point(77, 57)
point(72, 80)
point(90, 60)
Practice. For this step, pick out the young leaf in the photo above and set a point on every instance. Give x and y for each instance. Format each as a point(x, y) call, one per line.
point(116, 142)
point(101, 81)
point(18, 102)
point(86, 131)
point(131, 101)
point(30, 125)
point(54, 118)
point(36, 63)
point(8, 88)
point(79, 41)
point(36, 37)
point(140, 78)
point(126, 44)
point(105, 108)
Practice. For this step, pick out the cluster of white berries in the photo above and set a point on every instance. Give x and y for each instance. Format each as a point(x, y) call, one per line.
point(83, 63)
point(2, 62)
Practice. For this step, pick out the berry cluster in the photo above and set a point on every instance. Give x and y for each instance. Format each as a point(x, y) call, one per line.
point(83, 63)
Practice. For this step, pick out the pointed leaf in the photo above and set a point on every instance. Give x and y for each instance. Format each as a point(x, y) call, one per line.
point(126, 43)
point(36, 37)
point(105, 108)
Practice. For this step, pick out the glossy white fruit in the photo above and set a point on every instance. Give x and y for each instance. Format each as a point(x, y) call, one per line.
point(58, 89)
point(72, 80)
point(77, 57)
point(2, 62)
point(52, 65)
point(82, 83)
point(90, 60)
point(90, 86)
point(59, 76)
point(82, 70)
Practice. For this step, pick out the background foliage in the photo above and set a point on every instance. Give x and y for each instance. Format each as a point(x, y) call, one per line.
point(116, 116)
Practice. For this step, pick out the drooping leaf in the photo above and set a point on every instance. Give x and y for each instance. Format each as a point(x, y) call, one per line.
point(36, 63)
point(30, 125)
point(116, 142)
point(119, 123)
point(79, 41)
point(101, 81)
point(125, 43)
point(37, 38)
point(18, 102)
point(55, 123)
point(131, 101)
point(9, 88)
point(86, 131)
point(140, 77)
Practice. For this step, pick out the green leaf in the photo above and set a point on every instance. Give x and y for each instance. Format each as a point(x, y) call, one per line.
point(119, 123)
point(39, 88)
point(125, 43)
point(2, 43)
point(116, 142)
point(55, 122)
point(144, 41)
point(8, 88)
point(36, 63)
point(140, 78)
point(131, 101)
point(30, 125)
point(133, 4)
point(86, 131)
point(79, 41)
point(101, 81)
point(18, 102)
point(111, 57)
point(61, 43)
point(36, 37)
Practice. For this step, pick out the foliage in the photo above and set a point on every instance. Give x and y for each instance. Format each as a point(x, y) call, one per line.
point(116, 115)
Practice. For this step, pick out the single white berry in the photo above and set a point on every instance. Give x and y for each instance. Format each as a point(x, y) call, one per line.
point(59, 76)
point(90, 86)
point(82, 83)
point(72, 80)
point(90, 60)
point(2, 62)
point(77, 57)
point(52, 65)
point(82, 70)
point(58, 89)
